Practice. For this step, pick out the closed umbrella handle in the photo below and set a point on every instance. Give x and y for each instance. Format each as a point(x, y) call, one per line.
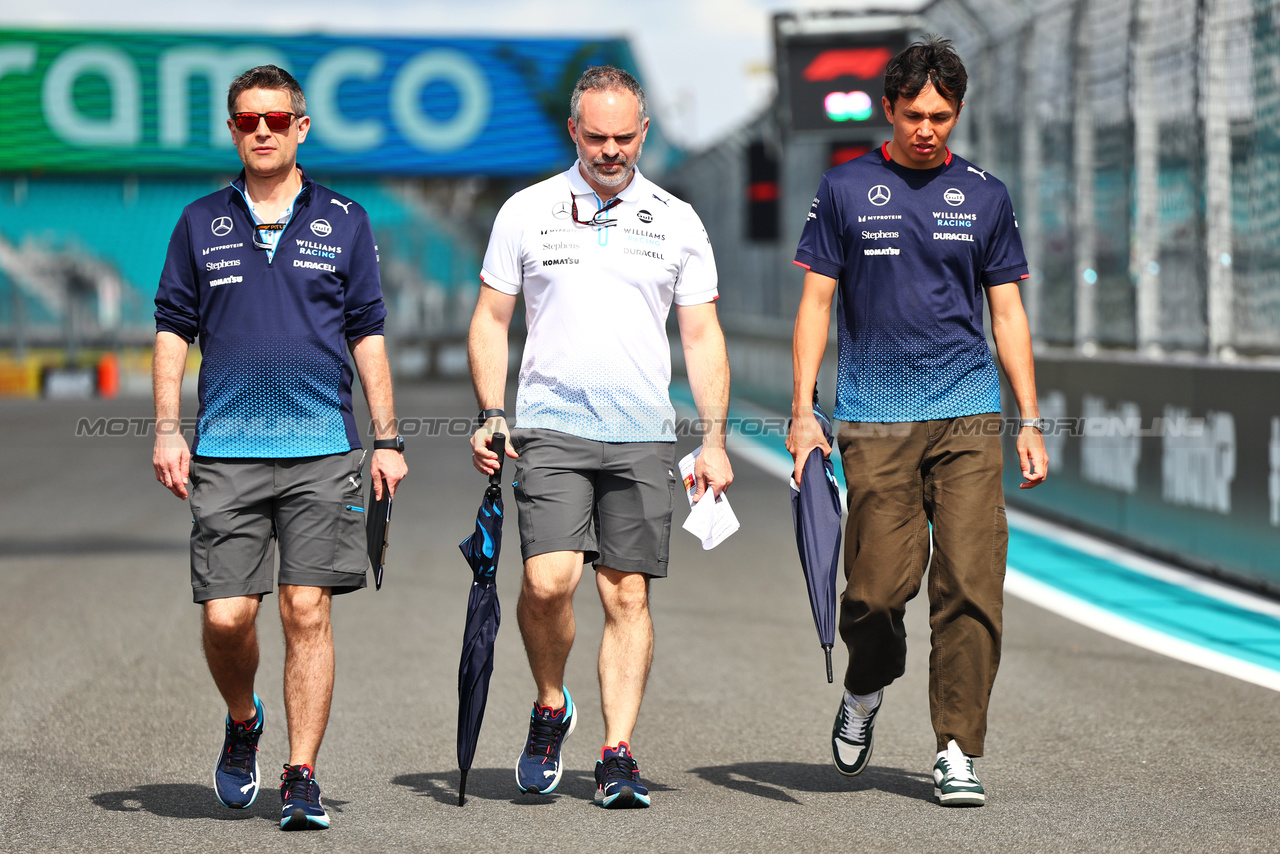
point(499, 446)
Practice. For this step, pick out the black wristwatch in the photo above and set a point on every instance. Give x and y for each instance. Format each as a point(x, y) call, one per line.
point(396, 444)
point(486, 414)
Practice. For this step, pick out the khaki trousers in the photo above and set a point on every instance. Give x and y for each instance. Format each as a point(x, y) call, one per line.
point(903, 478)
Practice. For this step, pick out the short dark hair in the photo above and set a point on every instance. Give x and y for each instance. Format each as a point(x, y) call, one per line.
point(602, 78)
point(933, 60)
point(268, 77)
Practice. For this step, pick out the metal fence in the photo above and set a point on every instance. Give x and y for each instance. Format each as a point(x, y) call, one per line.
point(1139, 142)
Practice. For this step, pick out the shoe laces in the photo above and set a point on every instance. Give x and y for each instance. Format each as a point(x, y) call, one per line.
point(296, 785)
point(242, 747)
point(856, 718)
point(958, 766)
point(544, 734)
point(620, 764)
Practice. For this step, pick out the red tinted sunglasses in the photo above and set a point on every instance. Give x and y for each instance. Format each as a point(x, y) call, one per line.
point(276, 121)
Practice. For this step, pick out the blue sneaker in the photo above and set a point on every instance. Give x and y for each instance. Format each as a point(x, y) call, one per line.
point(539, 768)
point(618, 783)
point(235, 777)
point(300, 794)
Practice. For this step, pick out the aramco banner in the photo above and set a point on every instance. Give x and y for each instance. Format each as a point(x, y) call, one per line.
point(131, 102)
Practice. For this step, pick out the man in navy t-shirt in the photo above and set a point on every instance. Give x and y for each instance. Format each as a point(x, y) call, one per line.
point(913, 237)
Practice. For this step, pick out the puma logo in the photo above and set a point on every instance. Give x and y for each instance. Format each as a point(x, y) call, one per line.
point(979, 171)
point(348, 204)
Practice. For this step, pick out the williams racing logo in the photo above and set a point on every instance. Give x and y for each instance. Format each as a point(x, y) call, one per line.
point(310, 247)
point(640, 235)
point(955, 219)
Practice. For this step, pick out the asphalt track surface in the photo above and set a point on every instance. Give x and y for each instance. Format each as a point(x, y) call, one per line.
point(109, 722)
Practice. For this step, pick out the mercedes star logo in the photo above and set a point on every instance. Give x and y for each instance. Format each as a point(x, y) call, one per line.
point(878, 195)
point(221, 226)
point(560, 210)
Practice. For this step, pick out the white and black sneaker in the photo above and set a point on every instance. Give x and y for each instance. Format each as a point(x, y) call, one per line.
point(851, 735)
point(954, 782)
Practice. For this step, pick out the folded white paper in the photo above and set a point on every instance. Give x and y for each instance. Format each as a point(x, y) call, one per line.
point(711, 519)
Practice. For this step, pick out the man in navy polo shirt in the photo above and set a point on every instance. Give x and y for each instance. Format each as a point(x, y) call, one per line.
point(912, 237)
point(278, 277)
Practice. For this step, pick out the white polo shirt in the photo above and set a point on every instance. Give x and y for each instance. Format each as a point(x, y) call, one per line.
point(597, 362)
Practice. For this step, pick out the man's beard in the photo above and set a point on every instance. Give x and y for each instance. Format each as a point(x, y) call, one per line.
point(592, 168)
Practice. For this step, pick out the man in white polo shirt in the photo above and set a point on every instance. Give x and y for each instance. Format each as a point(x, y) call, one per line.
point(601, 253)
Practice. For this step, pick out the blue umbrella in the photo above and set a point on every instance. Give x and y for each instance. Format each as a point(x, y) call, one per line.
point(815, 510)
point(483, 617)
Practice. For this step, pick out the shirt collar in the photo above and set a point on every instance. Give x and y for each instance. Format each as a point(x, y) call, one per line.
point(304, 192)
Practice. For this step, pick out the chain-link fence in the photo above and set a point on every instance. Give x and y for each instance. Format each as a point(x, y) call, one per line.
point(1139, 142)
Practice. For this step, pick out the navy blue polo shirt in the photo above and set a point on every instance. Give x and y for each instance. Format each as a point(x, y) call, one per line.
point(274, 326)
point(912, 250)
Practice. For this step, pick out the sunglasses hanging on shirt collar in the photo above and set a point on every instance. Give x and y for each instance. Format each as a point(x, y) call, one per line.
point(599, 218)
point(263, 228)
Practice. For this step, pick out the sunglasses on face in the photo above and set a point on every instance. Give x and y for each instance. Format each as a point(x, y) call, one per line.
point(276, 121)
point(598, 218)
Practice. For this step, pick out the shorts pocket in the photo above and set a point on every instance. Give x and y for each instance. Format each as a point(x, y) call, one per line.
point(664, 543)
point(349, 554)
point(523, 504)
point(349, 541)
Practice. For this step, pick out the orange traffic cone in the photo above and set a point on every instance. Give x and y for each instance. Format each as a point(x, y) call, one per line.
point(108, 375)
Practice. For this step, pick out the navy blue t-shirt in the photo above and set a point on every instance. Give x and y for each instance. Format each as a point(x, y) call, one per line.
point(274, 327)
point(912, 250)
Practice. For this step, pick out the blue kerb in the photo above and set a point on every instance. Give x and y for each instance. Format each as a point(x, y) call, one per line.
point(1152, 602)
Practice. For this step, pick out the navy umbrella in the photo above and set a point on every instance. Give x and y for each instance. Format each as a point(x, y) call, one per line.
point(483, 617)
point(815, 509)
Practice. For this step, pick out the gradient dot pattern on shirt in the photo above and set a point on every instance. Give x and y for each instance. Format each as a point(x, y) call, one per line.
point(882, 378)
point(616, 404)
point(268, 398)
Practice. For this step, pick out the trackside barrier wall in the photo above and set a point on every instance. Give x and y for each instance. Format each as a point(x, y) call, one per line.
point(1181, 460)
